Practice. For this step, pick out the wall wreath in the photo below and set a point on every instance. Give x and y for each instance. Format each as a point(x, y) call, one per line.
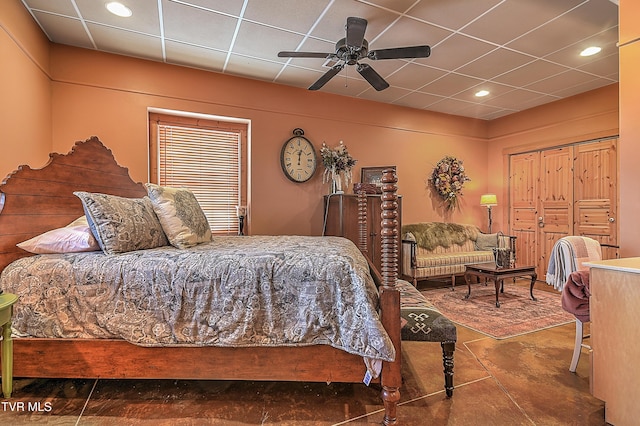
point(447, 179)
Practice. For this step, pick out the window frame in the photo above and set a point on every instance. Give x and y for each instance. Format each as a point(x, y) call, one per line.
point(205, 121)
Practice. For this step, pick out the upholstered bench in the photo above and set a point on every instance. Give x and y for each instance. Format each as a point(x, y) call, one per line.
point(422, 322)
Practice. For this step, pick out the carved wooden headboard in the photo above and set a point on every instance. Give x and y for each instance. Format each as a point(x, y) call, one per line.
point(33, 201)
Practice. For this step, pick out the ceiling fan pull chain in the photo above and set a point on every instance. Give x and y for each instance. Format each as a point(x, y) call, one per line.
point(346, 80)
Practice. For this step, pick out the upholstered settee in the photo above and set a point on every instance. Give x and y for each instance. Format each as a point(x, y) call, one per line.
point(437, 250)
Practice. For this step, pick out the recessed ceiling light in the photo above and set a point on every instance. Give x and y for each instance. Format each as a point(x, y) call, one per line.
point(590, 51)
point(482, 93)
point(118, 9)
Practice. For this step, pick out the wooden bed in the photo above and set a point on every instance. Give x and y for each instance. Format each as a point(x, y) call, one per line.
point(33, 201)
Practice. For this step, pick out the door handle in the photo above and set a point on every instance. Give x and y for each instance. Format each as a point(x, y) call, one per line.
point(540, 222)
point(612, 219)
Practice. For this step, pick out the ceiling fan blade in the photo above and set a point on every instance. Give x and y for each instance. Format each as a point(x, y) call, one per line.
point(400, 53)
point(326, 77)
point(355, 31)
point(305, 55)
point(372, 77)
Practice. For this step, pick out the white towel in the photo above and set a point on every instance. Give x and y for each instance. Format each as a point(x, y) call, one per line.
point(561, 264)
point(567, 256)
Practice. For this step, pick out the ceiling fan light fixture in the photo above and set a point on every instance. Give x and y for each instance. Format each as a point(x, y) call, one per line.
point(481, 93)
point(118, 9)
point(592, 50)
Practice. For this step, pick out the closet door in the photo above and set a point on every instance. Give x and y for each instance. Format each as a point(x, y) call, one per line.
point(523, 196)
point(555, 211)
point(595, 193)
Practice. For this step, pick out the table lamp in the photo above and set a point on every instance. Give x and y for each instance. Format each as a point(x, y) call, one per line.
point(489, 200)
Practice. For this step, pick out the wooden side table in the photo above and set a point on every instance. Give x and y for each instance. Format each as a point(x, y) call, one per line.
point(6, 311)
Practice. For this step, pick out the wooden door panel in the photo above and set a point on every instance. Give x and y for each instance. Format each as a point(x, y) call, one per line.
point(595, 193)
point(523, 188)
point(556, 201)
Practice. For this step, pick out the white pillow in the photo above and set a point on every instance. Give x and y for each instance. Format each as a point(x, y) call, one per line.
point(75, 237)
point(180, 215)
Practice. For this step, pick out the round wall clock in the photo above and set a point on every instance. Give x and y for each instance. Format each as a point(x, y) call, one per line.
point(298, 157)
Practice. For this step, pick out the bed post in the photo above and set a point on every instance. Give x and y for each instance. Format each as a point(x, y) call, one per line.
point(389, 295)
point(362, 221)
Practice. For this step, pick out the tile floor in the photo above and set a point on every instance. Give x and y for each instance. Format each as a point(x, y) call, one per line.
point(519, 381)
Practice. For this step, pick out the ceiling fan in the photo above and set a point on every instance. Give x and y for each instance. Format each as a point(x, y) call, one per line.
point(351, 49)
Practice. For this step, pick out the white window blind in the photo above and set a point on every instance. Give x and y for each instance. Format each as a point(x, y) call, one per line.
point(208, 162)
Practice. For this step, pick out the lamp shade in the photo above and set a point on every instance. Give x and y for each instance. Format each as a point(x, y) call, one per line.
point(488, 200)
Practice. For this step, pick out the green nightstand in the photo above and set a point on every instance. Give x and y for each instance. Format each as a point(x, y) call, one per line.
point(6, 311)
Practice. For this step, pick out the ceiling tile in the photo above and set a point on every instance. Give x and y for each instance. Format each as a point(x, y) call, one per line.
point(253, 68)
point(451, 106)
point(589, 18)
point(64, 30)
point(530, 73)
point(513, 18)
point(194, 56)
point(582, 87)
point(510, 98)
point(227, 7)
point(62, 7)
point(145, 17)
point(264, 42)
point(456, 51)
point(494, 89)
point(197, 26)
point(388, 95)
point(408, 32)
point(332, 25)
point(561, 81)
point(603, 67)
point(450, 84)
point(294, 15)
point(451, 14)
point(126, 42)
point(498, 62)
point(570, 55)
point(414, 76)
point(418, 100)
point(400, 6)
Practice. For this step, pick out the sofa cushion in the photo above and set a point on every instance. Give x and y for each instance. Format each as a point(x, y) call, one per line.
point(460, 258)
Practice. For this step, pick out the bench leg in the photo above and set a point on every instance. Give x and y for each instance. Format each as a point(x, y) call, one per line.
point(447, 360)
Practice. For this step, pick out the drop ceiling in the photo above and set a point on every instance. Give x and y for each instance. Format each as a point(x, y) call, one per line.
point(524, 52)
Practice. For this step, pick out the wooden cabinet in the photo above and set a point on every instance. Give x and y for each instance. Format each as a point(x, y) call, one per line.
point(341, 219)
point(615, 297)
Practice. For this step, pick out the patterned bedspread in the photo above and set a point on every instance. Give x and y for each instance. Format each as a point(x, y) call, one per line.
point(235, 291)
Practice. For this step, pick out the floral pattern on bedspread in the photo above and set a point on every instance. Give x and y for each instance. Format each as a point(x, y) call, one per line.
point(233, 291)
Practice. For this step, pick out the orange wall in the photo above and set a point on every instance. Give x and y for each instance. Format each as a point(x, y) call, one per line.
point(629, 127)
point(108, 96)
point(579, 118)
point(25, 90)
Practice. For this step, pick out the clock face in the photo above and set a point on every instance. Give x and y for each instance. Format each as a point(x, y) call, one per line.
point(298, 159)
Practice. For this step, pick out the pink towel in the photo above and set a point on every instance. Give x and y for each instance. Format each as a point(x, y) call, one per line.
point(575, 295)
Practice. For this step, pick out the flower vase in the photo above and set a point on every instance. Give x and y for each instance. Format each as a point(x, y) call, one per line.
point(336, 184)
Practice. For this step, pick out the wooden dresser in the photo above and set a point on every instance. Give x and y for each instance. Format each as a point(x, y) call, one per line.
point(341, 219)
point(615, 327)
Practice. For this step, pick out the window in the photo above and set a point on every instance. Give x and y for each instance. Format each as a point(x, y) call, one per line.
point(208, 157)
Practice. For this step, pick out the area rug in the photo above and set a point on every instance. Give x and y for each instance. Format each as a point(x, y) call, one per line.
point(517, 314)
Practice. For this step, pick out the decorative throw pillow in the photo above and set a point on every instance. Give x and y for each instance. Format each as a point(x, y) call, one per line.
point(122, 224)
point(180, 214)
point(73, 238)
point(486, 242)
